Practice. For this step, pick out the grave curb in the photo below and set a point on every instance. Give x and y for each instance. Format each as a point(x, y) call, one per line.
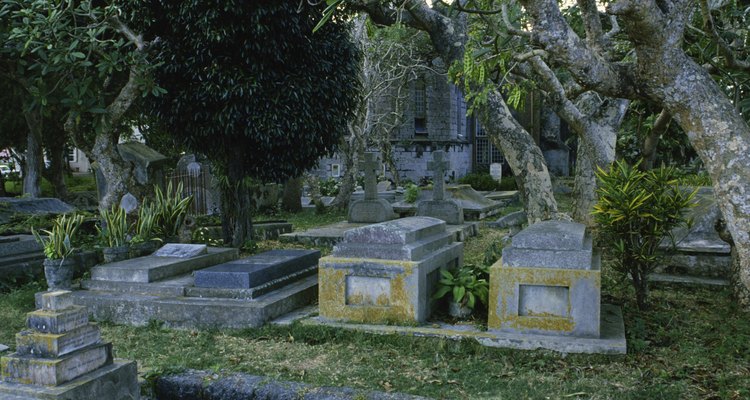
point(202, 385)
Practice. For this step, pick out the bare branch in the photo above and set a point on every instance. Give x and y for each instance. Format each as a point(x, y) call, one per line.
point(530, 54)
point(591, 23)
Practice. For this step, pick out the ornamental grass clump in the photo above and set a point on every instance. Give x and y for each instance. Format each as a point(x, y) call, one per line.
point(636, 212)
point(58, 242)
point(114, 231)
point(170, 210)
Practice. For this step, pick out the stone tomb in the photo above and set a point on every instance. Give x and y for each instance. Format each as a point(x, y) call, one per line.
point(386, 272)
point(548, 282)
point(62, 356)
point(256, 274)
point(440, 207)
point(372, 208)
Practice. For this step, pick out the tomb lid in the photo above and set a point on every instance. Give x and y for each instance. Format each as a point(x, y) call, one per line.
point(399, 231)
point(140, 154)
point(552, 235)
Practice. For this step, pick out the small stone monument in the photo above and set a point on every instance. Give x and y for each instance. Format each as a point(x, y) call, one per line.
point(386, 272)
point(439, 207)
point(371, 209)
point(548, 282)
point(496, 171)
point(62, 356)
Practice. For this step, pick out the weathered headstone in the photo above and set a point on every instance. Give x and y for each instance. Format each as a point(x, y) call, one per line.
point(256, 270)
point(62, 356)
point(129, 203)
point(384, 186)
point(447, 210)
point(547, 282)
point(496, 171)
point(181, 250)
point(386, 272)
point(371, 209)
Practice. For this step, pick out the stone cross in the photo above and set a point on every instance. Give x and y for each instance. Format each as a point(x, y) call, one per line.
point(370, 167)
point(438, 166)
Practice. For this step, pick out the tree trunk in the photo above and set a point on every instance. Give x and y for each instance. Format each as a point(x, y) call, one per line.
point(34, 156)
point(584, 187)
point(55, 174)
point(651, 143)
point(237, 205)
point(524, 158)
point(292, 198)
point(116, 172)
point(720, 136)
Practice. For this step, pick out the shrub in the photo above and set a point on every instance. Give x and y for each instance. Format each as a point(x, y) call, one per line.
point(480, 181)
point(411, 194)
point(635, 212)
point(59, 240)
point(466, 285)
point(171, 209)
point(329, 187)
point(115, 227)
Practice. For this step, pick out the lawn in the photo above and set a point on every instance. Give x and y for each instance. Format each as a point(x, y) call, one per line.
point(693, 344)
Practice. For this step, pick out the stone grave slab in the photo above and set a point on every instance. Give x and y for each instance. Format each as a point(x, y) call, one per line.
point(475, 205)
point(698, 250)
point(3, 348)
point(21, 257)
point(386, 272)
point(154, 268)
point(547, 282)
point(181, 250)
point(27, 205)
point(62, 357)
point(256, 270)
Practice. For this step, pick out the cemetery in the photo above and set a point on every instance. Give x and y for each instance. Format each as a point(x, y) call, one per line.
point(374, 200)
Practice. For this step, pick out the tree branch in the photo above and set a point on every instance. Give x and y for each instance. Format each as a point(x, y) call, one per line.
point(724, 48)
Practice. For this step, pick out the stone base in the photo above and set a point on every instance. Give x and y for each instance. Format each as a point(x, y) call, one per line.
point(177, 311)
point(118, 381)
point(371, 211)
point(611, 341)
point(446, 210)
point(28, 369)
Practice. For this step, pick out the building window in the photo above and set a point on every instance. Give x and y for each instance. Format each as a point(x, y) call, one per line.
point(72, 155)
point(420, 108)
point(335, 170)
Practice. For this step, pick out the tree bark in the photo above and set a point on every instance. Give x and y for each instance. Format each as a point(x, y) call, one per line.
point(291, 199)
point(651, 143)
point(54, 140)
point(664, 74)
point(34, 156)
point(237, 205)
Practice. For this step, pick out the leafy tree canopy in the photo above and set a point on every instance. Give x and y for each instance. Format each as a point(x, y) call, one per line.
point(249, 84)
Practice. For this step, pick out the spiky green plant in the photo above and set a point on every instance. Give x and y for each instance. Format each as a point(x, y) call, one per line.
point(143, 228)
point(58, 242)
point(170, 209)
point(635, 212)
point(114, 232)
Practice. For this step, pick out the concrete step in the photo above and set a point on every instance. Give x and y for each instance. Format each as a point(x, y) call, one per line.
point(21, 258)
point(19, 244)
point(152, 268)
point(197, 313)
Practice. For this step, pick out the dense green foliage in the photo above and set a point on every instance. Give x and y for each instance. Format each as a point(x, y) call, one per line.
point(249, 84)
point(115, 229)
point(483, 181)
point(635, 212)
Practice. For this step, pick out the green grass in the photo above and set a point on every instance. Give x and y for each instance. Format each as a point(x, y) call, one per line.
point(75, 183)
point(693, 344)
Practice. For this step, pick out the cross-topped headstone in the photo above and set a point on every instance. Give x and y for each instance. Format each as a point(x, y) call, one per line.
point(438, 166)
point(370, 167)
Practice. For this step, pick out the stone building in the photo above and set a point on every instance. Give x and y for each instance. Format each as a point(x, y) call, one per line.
point(436, 118)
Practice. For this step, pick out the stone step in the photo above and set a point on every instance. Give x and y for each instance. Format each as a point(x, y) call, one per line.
point(19, 244)
point(118, 380)
point(57, 322)
point(256, 270)
point(400, 231)
point(153, 268)
point(55, 371)
point(161, 288)
point(409, 252)
point(50, 345)
point(198, 313)
point(8, 239)
point(16, 259)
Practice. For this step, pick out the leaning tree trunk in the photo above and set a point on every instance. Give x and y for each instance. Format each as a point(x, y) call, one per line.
point(524, 157)
point(720, 136)
point(116, 172)
point(32, 177)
